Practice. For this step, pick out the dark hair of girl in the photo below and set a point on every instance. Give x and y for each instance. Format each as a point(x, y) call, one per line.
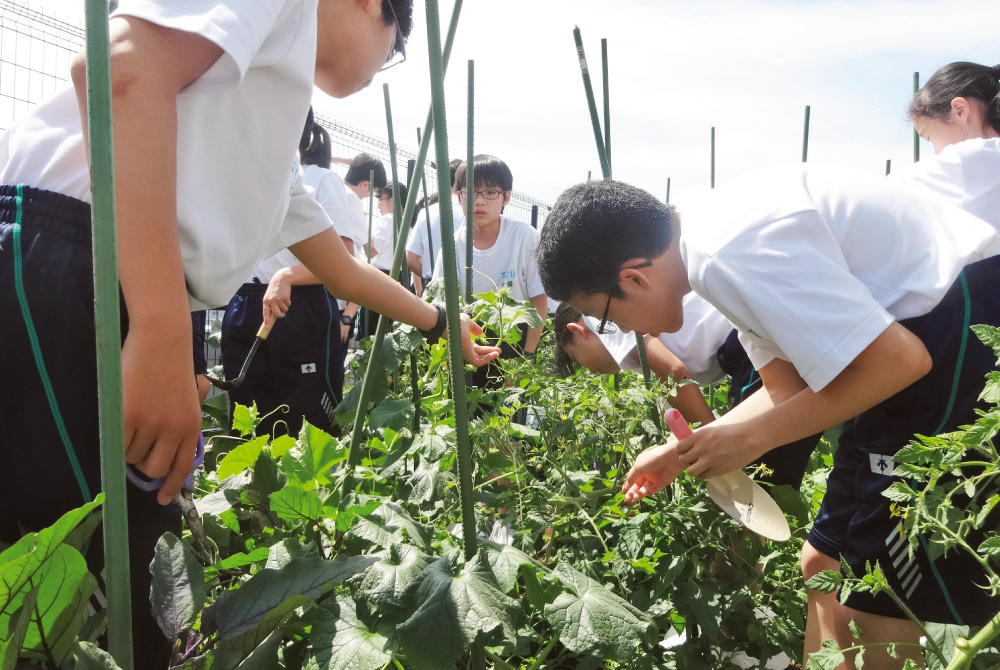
point(314, 145)
point(959, 80)
point(564, 364)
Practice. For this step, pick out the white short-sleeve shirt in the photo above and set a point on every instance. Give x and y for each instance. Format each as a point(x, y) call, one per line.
point(382, 235)
point(509, 262)
point(417, 241)
point(696, 344)
point(966, 174)
point(812, 263)
point(240, 197)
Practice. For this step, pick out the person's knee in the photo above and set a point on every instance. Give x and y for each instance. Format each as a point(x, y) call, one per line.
point(813, 561)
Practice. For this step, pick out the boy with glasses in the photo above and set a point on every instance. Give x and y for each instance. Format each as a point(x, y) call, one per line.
point(853, 298)
point(503, 249)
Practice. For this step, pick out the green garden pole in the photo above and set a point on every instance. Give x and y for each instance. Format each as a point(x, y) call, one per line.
point(668, 191)
point(805, 136)
point(916, 135)
point(400, 273)
point(108, 334)
point(588, 175)
point(457, 364)
point(354, 451)
point(371, 193)
point(606, 167)
point(470, 179)
point(712, 170)
point(427, 214)
point(592, 105)
point(888, 166)
point(607, 100)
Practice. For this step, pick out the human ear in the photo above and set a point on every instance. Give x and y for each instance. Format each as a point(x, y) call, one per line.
point(506, 198)
point(577, 329)
point(960, 108)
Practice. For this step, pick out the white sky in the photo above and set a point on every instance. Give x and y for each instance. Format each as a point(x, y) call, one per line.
point(677, 68)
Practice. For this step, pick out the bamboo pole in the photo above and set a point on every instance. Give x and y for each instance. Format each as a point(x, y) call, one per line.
point(354, 452)
point(108, 334)
point(805, 136)
point(470, 179)
point(457, 364)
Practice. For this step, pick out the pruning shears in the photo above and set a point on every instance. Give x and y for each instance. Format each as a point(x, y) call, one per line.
point(185, 501)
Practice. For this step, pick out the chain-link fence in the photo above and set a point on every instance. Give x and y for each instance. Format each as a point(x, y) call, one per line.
point(35, 55)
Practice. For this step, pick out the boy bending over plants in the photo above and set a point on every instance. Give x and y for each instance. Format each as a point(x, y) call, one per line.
point(853, 298)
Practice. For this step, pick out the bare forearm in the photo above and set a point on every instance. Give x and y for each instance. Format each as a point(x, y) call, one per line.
point(689, 401)
point(541, 305)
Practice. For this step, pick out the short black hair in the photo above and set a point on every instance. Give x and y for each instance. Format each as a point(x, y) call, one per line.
point(592, 230)
point(564, 364)
point(959, 80)
point(453, 168)
point(403, 9)
point(394, 190)
point(487, 170)
point(314, 145)
point(361, 168)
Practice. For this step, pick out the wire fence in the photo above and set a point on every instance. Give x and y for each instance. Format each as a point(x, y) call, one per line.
point(36, 50)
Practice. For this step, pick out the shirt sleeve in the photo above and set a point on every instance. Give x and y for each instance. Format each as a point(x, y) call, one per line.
point(304, 218)
point(239, 28)
point(332, 197)
point(787, 287)
point(532, 280)
point(942, 175)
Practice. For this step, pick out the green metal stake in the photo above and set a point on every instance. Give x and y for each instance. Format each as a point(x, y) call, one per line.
point(371, 193)
point(668, 191)
point(588, 175)
point(470, 179)
point(457, 365)
point(916, 135)
point(354, 452)
point(805, 136)
point(108, 334)
point(607, 100)
point(591, 104)
point(427, 214)
point(888, 166)
point(712, 173)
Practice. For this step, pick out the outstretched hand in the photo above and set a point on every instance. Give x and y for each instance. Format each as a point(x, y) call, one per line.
point(654, 469)
point(475, 353)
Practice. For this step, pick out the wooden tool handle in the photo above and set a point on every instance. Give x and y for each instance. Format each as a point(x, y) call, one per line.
point(265, 330)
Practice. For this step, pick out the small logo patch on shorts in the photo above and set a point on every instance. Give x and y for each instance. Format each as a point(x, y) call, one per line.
point(881, 464)
point(308, 367)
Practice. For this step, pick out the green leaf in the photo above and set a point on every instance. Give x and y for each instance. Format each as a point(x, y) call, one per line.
point(394, 413)
point(281, 445)
point(245, 419)
point(241, 458)
point(241, 559)
point(268, 589)
point(26, 558)
point(945, 635)
point(91, 657)
point(454, 609)
point(539, 590)
point(281, 554)
point(385, 526)
point(899, 492)
point(341, 641)
point(61, 607)
point(506, 561)
point(990, 336)
point(827, 658)
point(386, 581)
point(590, 619)
point(309, 462)
point(986, 509)
point(429, 483)
point(827, 581)
point(292, 504)
point(178, 590)
point(13, 640)
point(990, 546)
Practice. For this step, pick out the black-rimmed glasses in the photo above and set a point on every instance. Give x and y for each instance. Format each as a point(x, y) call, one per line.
point(488, 194)
point(604, 317)
point(398, 53)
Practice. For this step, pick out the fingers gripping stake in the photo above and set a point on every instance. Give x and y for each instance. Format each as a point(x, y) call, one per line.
point(738, 495)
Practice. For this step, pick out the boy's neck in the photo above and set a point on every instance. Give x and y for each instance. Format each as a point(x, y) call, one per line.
point(485, 236)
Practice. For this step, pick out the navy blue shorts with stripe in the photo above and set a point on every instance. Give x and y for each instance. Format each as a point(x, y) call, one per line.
point(855, 520)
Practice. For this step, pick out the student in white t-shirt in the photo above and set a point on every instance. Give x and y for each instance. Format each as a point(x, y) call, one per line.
point(958, 112)
point(503, 249)
point(852, 296)
point(706, 350)
point(301, 363)
point(209, 98)
point(422, 247)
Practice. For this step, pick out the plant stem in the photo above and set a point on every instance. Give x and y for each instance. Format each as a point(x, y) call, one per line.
point(546, 650)
point(965, 650)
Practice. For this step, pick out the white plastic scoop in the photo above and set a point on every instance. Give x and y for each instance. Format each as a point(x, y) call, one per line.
point(739, 496)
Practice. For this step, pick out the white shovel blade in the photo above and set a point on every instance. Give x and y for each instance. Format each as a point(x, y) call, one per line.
point(744, 500)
